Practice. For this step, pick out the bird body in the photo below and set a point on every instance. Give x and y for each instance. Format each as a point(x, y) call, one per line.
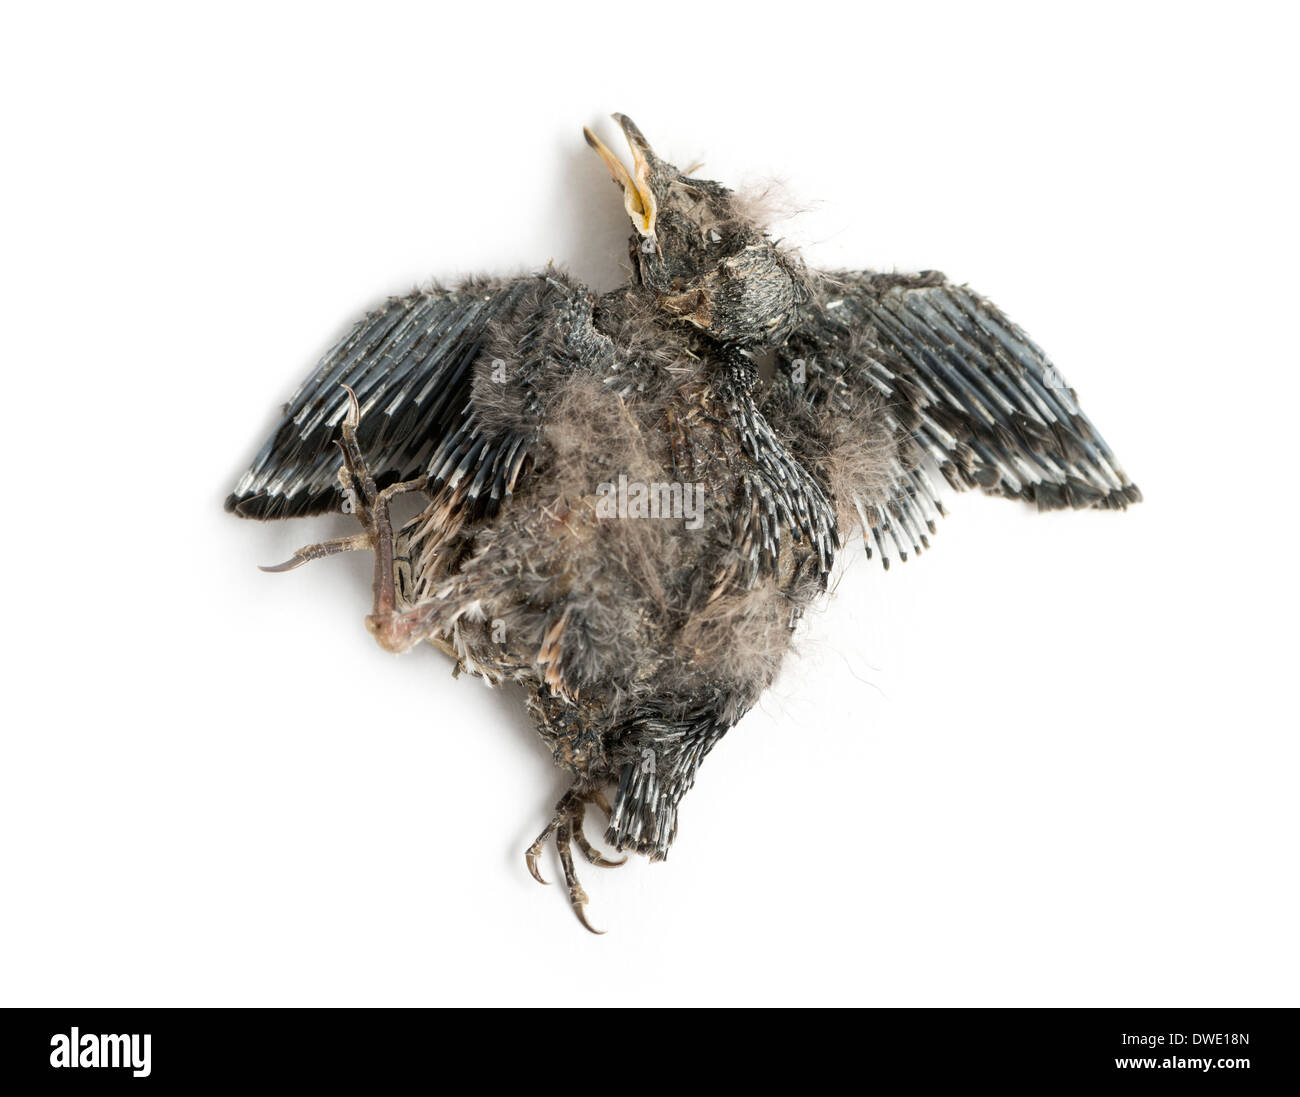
point(627, 517)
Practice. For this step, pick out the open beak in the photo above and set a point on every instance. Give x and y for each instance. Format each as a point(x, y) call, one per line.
point(638, 195)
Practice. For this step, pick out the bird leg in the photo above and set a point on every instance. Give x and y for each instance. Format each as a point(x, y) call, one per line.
point(566, 825)
point(394, 631)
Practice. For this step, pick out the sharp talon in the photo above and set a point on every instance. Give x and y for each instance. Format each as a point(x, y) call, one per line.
point(295, 561)
point(530, 854)
point(593, 855)
point(531, 858)
point(580, 909)
point(566, 825)
point(353, 416)
point(319, 552)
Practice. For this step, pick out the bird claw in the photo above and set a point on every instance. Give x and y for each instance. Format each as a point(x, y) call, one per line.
point(367, 502)
point(566, 826)
point(395, 630)
point(578, 898)
point(593, 855)
point(320, 551)
point(530, 856)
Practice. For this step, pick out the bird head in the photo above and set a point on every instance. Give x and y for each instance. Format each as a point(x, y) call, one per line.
point(707, 261)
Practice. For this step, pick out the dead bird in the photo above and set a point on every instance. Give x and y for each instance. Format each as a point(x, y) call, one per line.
point(625, 515)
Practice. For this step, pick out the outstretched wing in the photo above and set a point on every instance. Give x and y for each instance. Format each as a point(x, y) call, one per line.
point(964, 390)
point(410, 364)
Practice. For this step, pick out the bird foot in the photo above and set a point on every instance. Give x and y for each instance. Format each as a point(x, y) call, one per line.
point(566, 825)
point(371, 507)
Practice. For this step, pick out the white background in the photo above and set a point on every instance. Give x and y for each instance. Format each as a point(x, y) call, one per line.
point(1052, 762)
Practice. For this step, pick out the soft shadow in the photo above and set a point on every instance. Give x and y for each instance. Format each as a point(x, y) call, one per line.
point(592, 228)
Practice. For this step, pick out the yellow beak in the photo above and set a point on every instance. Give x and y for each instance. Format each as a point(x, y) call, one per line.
point(638, 195)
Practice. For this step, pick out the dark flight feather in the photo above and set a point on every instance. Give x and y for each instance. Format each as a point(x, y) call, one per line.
point(409, 364)
point(967, 394)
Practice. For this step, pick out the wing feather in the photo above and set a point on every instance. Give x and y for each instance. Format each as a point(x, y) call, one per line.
point(410, 364)
point(965, 391)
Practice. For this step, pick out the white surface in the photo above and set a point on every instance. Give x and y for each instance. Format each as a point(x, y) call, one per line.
point(1052, 762)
